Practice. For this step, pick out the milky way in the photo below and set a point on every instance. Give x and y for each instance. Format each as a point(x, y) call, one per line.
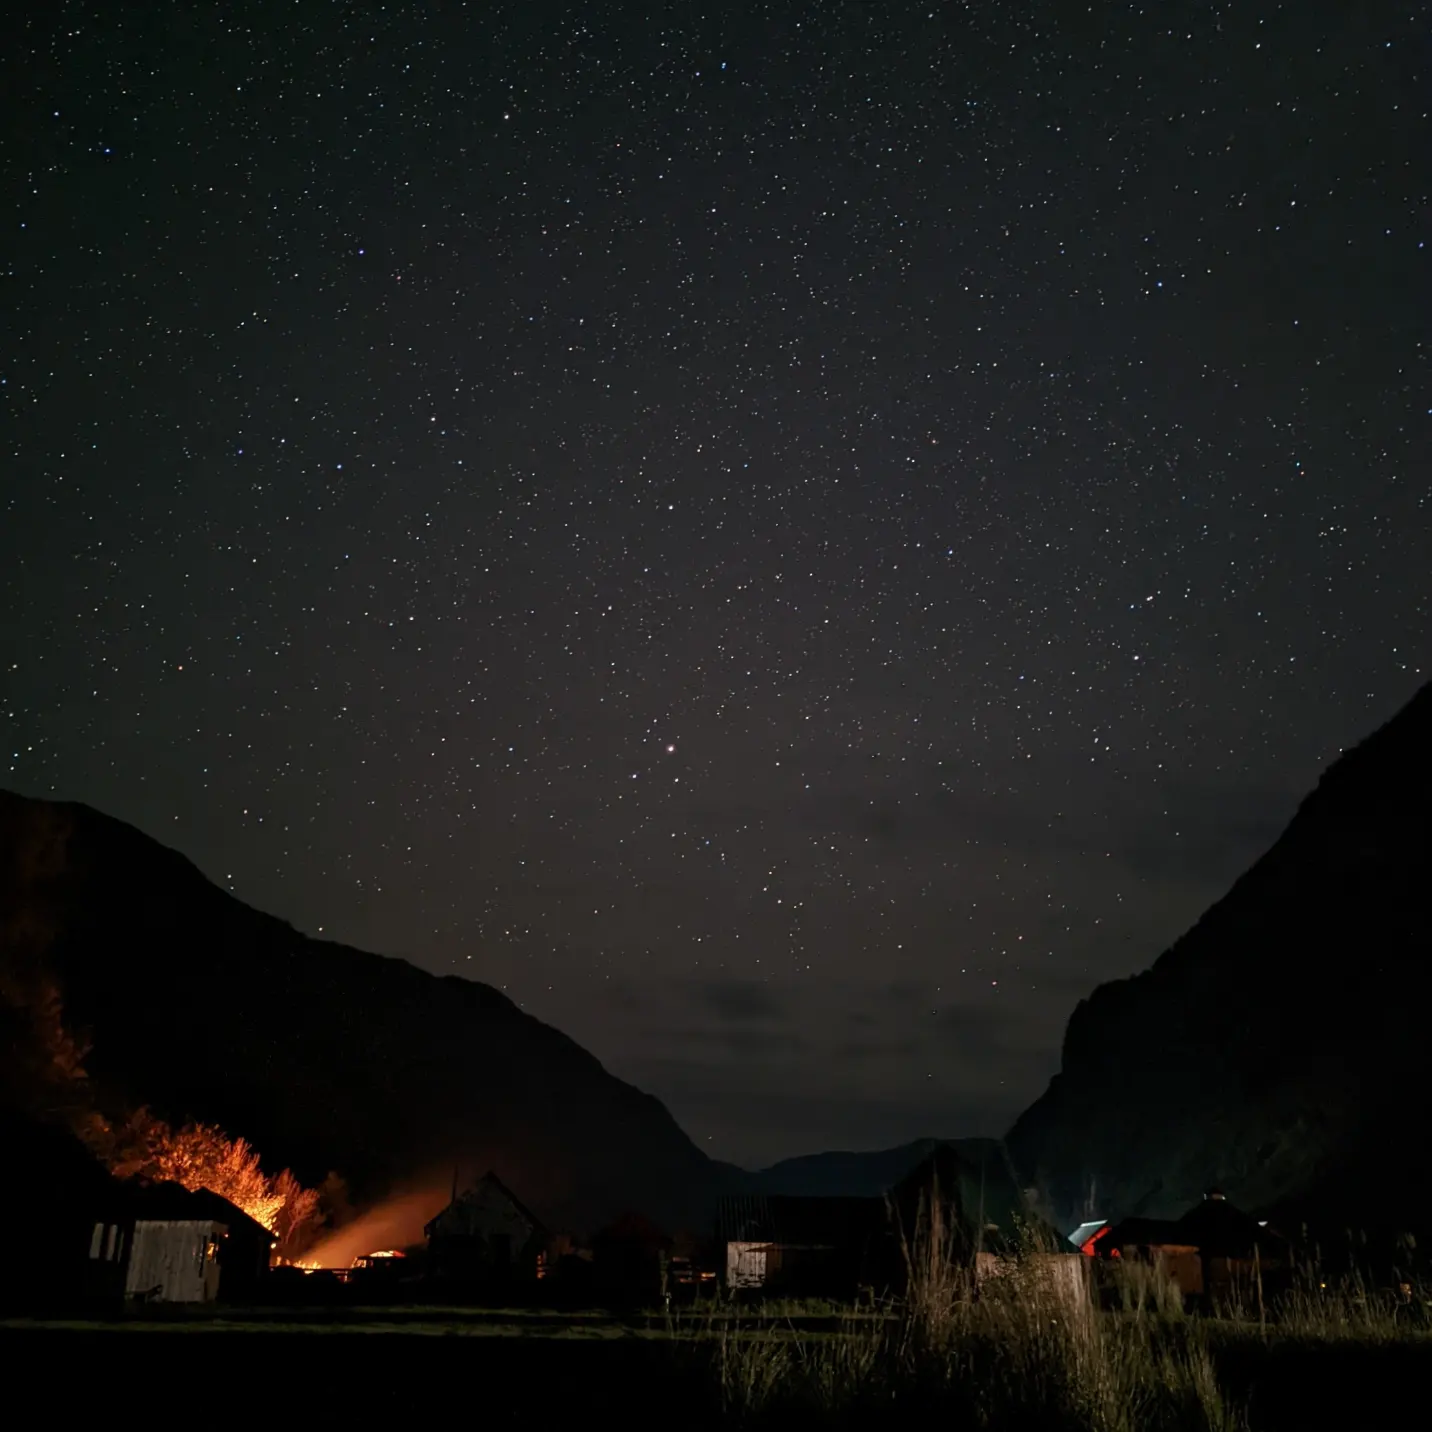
point(792, 539)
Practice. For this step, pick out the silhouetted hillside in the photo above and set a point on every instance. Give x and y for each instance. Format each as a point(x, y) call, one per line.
point(1276, 1049)
point(853, 1175)
point(323, 1057)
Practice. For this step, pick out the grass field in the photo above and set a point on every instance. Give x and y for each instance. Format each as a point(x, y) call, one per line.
point(394, 1372)
point(1023, 1358)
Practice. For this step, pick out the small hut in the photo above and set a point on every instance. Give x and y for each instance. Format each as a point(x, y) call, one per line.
point(186, 1242)
point(1237, 1252)
point(794, 1246)
point(1210, 1251)
point(486, 1236)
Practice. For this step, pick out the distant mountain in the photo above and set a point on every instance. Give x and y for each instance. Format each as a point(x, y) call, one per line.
point(323, 1057)
point(1276, 1049)
point(857, 1175)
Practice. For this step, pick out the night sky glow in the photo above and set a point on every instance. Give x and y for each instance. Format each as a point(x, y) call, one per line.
point(794, 539)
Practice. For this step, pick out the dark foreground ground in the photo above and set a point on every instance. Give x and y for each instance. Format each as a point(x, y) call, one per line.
point(399, 1376)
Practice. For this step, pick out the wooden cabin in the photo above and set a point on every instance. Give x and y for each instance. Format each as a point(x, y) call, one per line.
point(960, 1205)
point(105, 1239)
point(184, 1244)
point(488, 1236)
point(1212, 1251)
point(791, 1246)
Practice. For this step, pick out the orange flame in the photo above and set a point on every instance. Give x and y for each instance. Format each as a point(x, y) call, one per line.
point(200, 1156)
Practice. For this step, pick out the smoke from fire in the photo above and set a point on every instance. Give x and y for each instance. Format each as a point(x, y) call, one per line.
point(395, 1223)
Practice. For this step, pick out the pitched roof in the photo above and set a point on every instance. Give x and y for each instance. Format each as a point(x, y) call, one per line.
point(1222, 1230)
point(489, 1180)
point(1087, 1231)
point(175, 1202)
point(1214, 1226)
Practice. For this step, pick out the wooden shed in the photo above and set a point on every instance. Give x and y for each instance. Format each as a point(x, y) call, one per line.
point(1159, 1242)
point(184, 1244)
point(803, 1246)
point(1239, 1254)
point(486, 1234)
point(1211, 1251)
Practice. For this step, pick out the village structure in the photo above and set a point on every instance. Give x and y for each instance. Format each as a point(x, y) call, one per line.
point(114, 1242)
point(1214, 1252)
point(109, 1241)
point(487, 1234)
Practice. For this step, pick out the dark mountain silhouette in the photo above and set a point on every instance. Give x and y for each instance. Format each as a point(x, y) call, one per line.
point(323, 1057)
point(854, 1175)
point(1275, 1049)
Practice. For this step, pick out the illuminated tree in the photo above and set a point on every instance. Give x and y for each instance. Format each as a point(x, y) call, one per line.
point(202, 1156)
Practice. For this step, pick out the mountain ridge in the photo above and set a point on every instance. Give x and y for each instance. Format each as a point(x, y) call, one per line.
point(844, 1173)
point(322, 1055)
point(1266, 1048)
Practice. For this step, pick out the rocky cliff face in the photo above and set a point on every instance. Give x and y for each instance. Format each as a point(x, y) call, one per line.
point(323, 1057)
point(1275, 1049)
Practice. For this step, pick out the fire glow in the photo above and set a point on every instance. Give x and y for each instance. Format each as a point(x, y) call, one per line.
point(378, 1258)
point(389, 1227)
point(201, 1156)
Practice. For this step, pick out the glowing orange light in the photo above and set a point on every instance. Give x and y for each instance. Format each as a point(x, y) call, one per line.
point(200, 1156)
point(367, 1260)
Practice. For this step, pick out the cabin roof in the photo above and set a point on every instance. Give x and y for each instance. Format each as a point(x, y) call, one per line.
point(489, 1180)
point(1224, 1230)
point(172, 1201)
point(1213, 1226)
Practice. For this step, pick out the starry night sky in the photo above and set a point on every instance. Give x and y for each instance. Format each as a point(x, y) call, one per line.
point(795, 539)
